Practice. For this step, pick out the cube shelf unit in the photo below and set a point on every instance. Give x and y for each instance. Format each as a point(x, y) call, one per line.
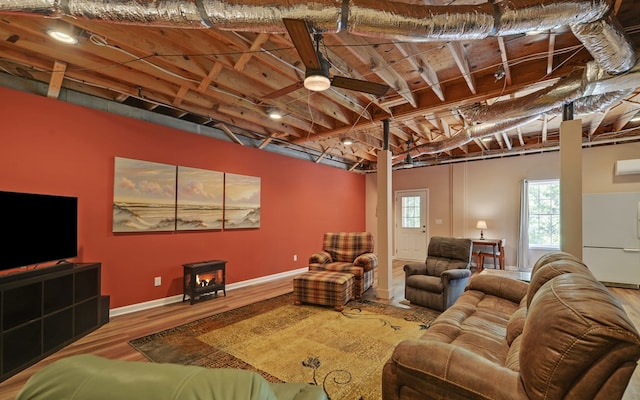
point(43, 310)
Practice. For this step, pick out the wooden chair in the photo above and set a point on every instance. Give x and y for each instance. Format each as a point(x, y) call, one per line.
point(480, 256)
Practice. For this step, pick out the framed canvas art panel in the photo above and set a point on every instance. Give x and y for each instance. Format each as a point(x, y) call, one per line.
point(200, 199)
point(144, 196)
point(241, 201)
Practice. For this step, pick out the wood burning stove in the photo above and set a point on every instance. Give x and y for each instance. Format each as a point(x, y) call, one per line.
point(203, 278)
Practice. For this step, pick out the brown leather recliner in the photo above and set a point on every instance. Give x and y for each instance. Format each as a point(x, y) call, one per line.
point(440, 280)
point(563, 336)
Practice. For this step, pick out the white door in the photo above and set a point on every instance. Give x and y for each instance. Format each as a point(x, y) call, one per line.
point(411, 224)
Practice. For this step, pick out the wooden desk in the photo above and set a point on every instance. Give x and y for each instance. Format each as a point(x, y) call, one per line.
point(495, 245)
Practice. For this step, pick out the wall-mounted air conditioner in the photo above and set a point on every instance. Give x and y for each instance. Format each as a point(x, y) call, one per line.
point(627, 167)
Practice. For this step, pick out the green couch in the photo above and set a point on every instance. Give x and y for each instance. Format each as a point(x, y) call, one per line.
point(89, 377)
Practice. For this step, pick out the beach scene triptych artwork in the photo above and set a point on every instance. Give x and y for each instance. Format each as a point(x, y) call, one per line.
point(155, 197)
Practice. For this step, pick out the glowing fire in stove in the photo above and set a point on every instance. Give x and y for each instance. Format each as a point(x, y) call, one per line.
point(207, 279)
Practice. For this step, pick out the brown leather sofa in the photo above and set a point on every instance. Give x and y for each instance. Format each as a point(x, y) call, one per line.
point(562, 336)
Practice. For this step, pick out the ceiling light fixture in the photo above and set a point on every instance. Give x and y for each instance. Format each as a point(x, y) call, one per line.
point(274, 113)
point(408, 161)
point(347, 141)
point(317, 80)
point(63, 32)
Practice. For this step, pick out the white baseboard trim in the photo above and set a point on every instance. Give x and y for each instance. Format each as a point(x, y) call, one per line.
point(114, 312)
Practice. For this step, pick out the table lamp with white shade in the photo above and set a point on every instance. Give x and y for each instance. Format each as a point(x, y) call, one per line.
point(481, 224)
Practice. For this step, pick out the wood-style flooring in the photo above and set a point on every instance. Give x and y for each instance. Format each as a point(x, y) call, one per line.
point(111, 339)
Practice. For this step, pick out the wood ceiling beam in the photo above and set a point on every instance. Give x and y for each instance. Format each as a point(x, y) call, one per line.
point(419, 62)
point(523, 76)
point(323, 154)
point(180, 95)
point(550, 52)
point(520, 138)
point(268, 140)
point(255, 46)
point(229, 133)
point(629, 110)
point(363, 50)
point(505, 60)
point(507, 140)
point(260, 122)
point(458, 54)
point(596, 120)
point(212, 76)
point(57, 76)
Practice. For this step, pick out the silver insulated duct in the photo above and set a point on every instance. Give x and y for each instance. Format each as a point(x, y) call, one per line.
point(615, 68)
point(361, 17)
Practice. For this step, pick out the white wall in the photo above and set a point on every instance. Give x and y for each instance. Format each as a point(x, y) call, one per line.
point(462, 193)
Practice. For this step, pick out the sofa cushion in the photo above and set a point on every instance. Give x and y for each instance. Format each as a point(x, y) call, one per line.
point(516, 324)
point(478, 323)
point(550, 270)
point(577, 336)
point(551, 257)
point(425, 282)
point(513, 355)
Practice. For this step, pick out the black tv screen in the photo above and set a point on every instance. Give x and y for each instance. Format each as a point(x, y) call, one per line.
point(37, 228)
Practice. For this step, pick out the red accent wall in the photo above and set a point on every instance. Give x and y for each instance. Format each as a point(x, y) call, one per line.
point(52, 147)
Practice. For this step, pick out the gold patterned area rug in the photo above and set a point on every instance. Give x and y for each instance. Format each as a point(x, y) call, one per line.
point(344, 352)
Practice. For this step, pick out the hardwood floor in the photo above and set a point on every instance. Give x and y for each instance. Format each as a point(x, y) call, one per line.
point(111, 339)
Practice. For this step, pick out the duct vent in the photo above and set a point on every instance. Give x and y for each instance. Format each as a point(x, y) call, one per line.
point(627, 167)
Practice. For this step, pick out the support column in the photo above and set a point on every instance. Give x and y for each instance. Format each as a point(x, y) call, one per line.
point(571, 187)
point(385, 213)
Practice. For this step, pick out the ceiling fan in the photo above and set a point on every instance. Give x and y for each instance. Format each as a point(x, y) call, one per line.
point(317, 67)
point(409, 161)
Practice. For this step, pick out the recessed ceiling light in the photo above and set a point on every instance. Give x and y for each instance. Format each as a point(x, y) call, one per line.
point(62, 37)
point(274, 113)
point(63, 32)
point(534, 32)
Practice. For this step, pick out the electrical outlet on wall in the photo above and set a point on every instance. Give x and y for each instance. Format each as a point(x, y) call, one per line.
point(157, 281)
point(295, 257)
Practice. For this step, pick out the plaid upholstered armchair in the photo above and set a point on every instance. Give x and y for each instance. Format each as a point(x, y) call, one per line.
point(350, 252)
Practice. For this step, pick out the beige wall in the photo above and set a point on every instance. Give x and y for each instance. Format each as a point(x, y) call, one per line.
point(462, 193)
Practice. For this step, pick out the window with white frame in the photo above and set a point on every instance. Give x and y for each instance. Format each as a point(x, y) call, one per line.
point(544, 214)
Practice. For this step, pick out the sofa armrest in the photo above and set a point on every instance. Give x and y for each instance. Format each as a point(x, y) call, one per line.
point(458, 273)
point(415, 269)
point(367, 261)
point(500, 286)
point(320, 258)
point(442, 370)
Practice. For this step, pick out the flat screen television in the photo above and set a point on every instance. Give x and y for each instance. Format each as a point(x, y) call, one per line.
point(37, 228)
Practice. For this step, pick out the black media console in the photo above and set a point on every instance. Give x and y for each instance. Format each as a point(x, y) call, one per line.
point(42, 310)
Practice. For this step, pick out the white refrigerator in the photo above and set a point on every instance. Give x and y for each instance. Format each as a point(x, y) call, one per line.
point(611, 237)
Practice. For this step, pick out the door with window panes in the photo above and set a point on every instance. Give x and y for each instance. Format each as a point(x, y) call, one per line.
point(411, 224)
